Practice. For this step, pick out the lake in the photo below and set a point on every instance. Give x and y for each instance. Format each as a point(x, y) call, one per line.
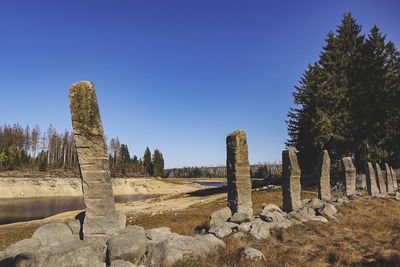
point(215, 184)
point(28, 209)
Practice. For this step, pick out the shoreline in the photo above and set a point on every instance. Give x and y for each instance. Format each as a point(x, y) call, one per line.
point(69, 187)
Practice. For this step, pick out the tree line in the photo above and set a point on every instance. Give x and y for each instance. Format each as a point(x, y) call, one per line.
point(25, 148)
point(122, 163)
point(348, 101)
point(256, 171)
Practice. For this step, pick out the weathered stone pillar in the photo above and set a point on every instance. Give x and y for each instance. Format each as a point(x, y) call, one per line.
point(388, 179)
point(381, 180)
point(372, 187)
point(101, 217)
point(361, 182)
point(350, 176)
point(238, 173)
point(324, 186)
point(395, 184)
point(291, 186)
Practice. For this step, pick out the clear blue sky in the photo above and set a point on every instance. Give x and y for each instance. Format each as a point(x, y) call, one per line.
point(173, 75)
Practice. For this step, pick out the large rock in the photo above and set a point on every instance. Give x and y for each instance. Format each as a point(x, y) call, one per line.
point(389, 179)
point(240, 217)
point(76, 253)
point(271, 207)
point(372, 186)
point(349, 176)
point(272, 216)
point(101, 218)
point(238, 173)
point(381, 180)
point(291, 187)
point(243, 227)
point(315, 203)
point(220, 216)
point(157, 235)
point(129, 245)
point(53, 234)
point(22, 246)
point(177, 248)
point(328, 210)
point(250, 255)
point(259, 229)
point(324, 186)
point(222, 229)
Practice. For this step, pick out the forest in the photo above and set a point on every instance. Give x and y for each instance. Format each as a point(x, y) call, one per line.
point(348, 102)
point(26, 148)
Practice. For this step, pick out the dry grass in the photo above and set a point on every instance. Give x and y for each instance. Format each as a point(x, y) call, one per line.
point(366, 234)
point(190, 221)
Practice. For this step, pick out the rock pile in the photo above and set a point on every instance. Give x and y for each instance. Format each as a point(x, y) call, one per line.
point(271, 216)
point(54, 245)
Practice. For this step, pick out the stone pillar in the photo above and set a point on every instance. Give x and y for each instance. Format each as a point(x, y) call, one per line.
point(101, 218)
point(372, 187)
point(388, 179)
point(361, 183)
point(350, 176)
point(324, 186)
point(395, 184)
point(238, 173)
point(291, 186)
point(380, 180)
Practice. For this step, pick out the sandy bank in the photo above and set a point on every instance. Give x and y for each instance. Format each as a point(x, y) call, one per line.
point(50, 187)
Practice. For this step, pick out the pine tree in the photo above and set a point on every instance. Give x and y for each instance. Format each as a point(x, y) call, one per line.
point(158, 163)
point(392, 107)
point(148, 168)
point(346, 102)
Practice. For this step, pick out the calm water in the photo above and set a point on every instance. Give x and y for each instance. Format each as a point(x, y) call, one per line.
point(27, 209)
point(215, 184)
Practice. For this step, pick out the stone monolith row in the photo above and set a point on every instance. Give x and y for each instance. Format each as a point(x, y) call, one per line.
point(238, 173)
point(372, 186)
point(380, 180)
point(324, 185)
point(388, 179)
point(350, 176)
point(291, 187)
point(101, 218)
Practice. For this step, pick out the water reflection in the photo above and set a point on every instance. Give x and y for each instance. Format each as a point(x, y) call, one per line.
point(27, 209)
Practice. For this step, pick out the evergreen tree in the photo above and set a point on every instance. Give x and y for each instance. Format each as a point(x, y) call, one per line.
point(346, 102)
point(148, 168)
point(158, 163)
point(392, 108)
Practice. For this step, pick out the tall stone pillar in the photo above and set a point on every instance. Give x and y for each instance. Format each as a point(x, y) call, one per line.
point(291, 186)
point(350, 176)
point(238, 173)
point(381, 180)
point(372, 186)
point(389, 179)
point(395, 184)
point(324, 186)
point(101, 218)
